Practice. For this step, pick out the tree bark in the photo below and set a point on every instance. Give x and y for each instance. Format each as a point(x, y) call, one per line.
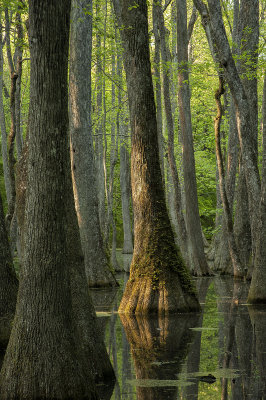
point(237, 266)
point(193, 223)
point(43, 358)
point(212, 20)
point(181, 226)
point(159, 281)
point(4, 148)
point(8, 283)
point(82, 151)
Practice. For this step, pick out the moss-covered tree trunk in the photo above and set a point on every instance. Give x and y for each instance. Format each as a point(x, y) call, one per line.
point(159, 282)
point(43, 358)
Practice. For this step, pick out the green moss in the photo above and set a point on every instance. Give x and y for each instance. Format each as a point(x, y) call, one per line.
point(161, 258)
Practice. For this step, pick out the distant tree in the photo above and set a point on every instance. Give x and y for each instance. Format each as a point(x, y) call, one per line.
point(44, 358)
point(82, 151)
point(159, 282)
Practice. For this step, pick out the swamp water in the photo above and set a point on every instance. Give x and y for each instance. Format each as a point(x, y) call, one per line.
point(218, 354)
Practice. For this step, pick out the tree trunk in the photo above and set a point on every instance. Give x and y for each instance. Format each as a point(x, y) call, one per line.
point(247, 42)
point(257, 291)
point(177, 201)
point(43, 358)
point(237, 266)
point(3, 124)
point(212, 20)
point(82, 151)
point(159, 281)
point(200, 266)
point(8, 283)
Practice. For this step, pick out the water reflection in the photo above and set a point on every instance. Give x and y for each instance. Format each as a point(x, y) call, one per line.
point(159, 345)
point(172, 358)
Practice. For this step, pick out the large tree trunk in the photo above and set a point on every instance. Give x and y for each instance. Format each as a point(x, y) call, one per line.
point(200, 266)
point(159, 281)
point(82, 151)
point(43, 358)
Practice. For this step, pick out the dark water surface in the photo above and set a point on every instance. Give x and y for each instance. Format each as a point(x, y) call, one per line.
point(218, 354)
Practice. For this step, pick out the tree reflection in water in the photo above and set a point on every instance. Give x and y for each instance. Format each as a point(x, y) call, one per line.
point(159, 345)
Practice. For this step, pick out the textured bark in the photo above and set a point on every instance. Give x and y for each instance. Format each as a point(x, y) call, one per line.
point(43, 358)
point(257, 291)
point(159, 282)
point(125, 198)
point(99, 130)
point(12, 132)
point(213, 23)
point(181, 226)
point(8, 283)
point(222, 261)
point(247, 44)
point(82, 151)
point(193, 224)
point(3, 124)
point(18, 63)
point(237, 266)
point(157, 84)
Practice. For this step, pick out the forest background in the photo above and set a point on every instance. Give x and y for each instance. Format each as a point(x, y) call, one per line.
point(110, 116)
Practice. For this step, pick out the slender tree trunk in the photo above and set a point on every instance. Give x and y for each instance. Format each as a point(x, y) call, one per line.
point(12, 132)
point(213, 23)
point(257, 291)
point(192, 209)
point(8, 283)
point(181, 226)
point(237, 266)
point(3, 125)
point(247, 42)
point(99, 131)
point(43, 358)
point(82, 152)
point(159, 282)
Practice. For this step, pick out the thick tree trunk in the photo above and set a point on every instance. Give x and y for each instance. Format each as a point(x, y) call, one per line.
point(159, 282)
point(43, 358)
point(82, 151)
point(200, 266)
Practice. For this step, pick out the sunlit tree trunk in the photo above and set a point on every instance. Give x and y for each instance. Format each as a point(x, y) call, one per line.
point(82, 151)
point(159, 282)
